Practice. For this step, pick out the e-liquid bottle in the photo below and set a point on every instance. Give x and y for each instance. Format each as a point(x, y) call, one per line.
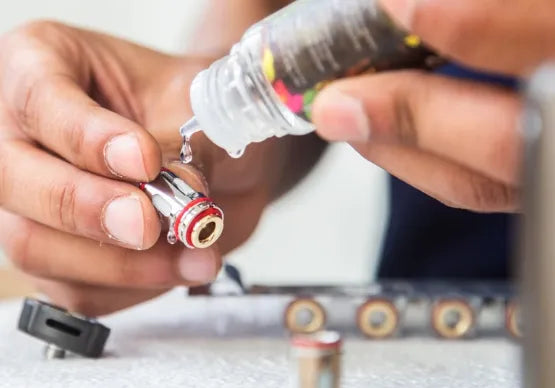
point(266, 85)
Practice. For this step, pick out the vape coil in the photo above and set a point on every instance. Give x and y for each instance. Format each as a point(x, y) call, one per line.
point(304, 315)
point(191, 217)
point(316, 360)
point(454, 318)
point(378, 318)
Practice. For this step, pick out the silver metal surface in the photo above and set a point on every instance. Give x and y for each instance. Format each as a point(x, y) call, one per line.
point(170, 195)
point(538, 254)
point(53, 352)
point(172, 198)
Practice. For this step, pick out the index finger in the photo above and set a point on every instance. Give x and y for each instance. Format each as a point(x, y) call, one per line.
point(495, 35)
point(60, 116)
point(43, 85)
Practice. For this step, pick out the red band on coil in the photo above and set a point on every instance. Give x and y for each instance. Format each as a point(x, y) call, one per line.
point(185, 210)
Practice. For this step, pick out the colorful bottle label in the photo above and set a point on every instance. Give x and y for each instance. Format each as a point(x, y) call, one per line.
point(307, 45)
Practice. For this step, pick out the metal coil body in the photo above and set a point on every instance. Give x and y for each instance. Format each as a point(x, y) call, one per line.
point(190, 216)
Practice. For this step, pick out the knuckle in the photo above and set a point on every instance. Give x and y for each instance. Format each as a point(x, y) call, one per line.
point(75, 139)
point(26, 98)
point(62, 200)
point(459, 29)
point(38, 28)
point(485, 195)
point(17, 246)
point(459, 40)
point(36, 93)
point(26, 111)
point(33, 55)
point(22, 46)
point(405, 124)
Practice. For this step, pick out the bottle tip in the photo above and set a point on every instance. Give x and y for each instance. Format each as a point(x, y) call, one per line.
point(190, 127)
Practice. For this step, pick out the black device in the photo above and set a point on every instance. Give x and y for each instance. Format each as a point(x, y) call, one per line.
point(61, 330)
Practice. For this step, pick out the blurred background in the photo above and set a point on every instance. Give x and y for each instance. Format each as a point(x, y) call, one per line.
point(328, 229)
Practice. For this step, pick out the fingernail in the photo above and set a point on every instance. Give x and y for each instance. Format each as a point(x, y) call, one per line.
point(124, 157)
point(124, 221)
point(198, 266)
point(342, 118)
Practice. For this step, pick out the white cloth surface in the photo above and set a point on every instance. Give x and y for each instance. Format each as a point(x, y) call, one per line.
point(178, 342)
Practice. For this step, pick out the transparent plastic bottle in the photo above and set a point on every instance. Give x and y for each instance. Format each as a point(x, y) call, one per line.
point(266, 85)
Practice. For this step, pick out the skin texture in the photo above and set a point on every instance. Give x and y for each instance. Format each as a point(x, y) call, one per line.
point(71, 216)
point(65, 93)
point(458, 141)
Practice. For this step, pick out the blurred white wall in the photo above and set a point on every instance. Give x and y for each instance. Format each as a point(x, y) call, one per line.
point(329, 229)
point(161, 24)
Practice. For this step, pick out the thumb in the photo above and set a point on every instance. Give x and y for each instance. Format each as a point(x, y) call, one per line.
point(339, 116)
point(471, 124)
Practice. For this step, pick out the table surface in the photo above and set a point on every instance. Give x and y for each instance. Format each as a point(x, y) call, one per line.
point(174, 342)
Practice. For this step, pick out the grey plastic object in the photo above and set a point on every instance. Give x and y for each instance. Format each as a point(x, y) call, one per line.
point(57, 327)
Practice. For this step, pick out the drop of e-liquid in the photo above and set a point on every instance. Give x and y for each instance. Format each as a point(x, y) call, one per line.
point(186, 154)
point(172, 238)
point(187, 131)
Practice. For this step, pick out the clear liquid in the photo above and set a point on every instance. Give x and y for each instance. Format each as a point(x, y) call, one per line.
point(187, 131)
point(186, 154)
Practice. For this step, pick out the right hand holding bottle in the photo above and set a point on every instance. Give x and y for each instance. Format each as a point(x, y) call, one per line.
point(458, 141)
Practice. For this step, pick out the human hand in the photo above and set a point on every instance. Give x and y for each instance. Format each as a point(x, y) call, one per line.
point(458, 141)
point(75, 107)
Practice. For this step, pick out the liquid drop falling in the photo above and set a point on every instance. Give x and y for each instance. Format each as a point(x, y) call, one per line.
point(186, 154)
point(187, 131)
point(172, 238)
